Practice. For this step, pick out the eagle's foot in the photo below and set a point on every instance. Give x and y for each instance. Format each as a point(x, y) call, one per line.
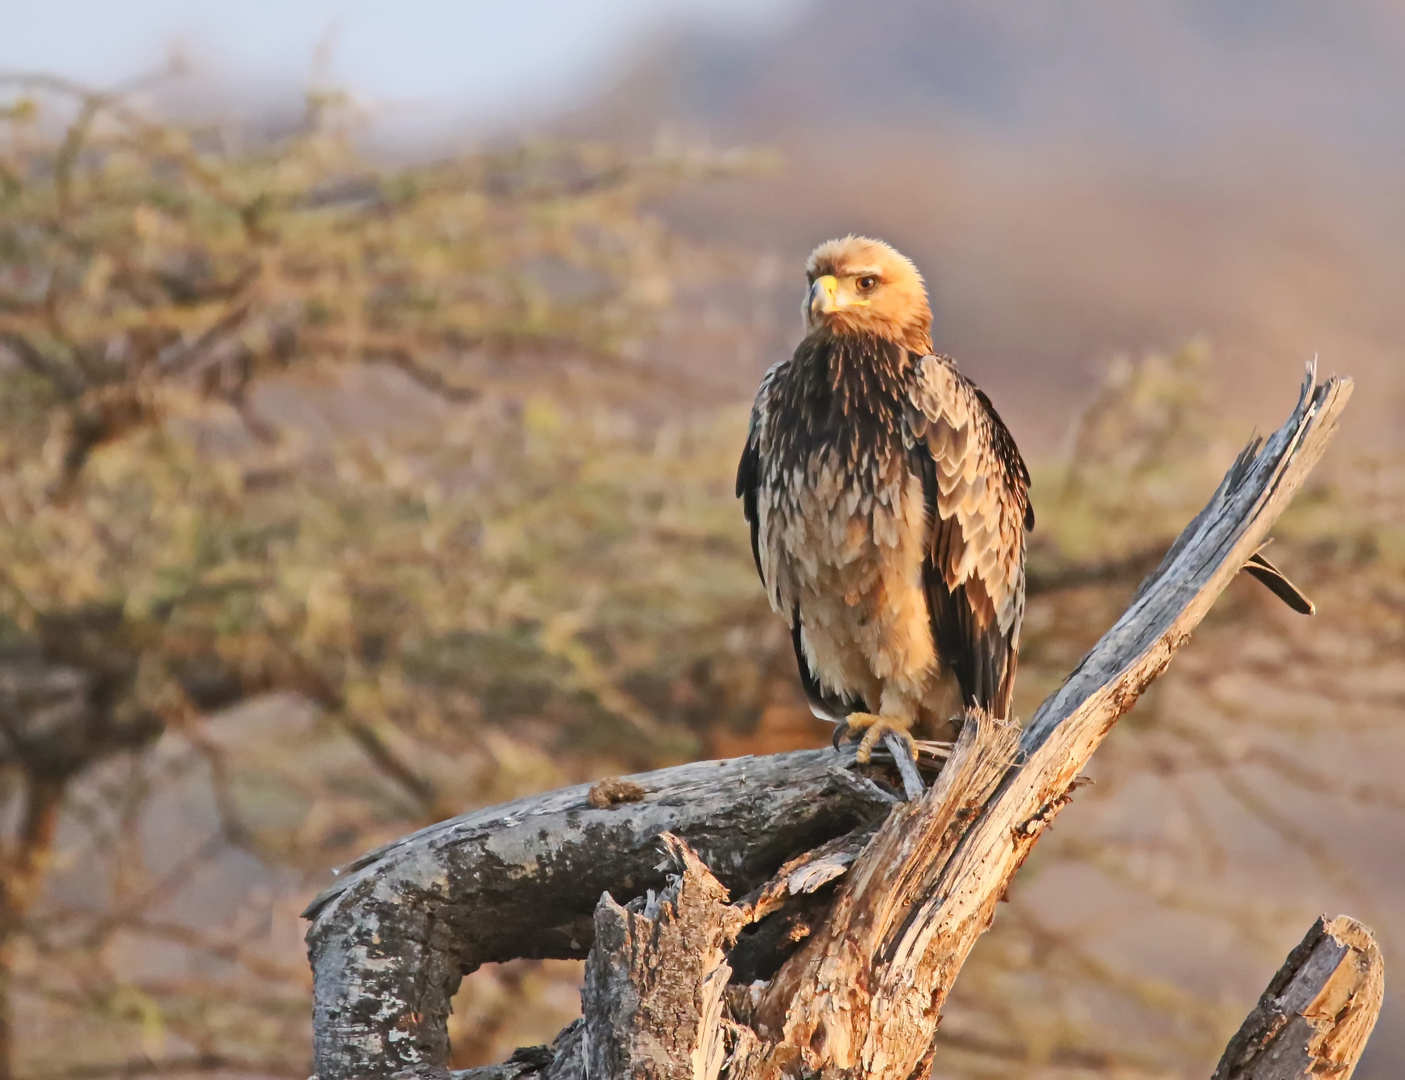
point(874, 726)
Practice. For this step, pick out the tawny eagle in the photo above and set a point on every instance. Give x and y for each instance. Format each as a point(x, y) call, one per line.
point(888, 504)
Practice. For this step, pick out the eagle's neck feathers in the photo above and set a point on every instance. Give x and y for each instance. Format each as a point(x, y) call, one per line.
point(847, 393)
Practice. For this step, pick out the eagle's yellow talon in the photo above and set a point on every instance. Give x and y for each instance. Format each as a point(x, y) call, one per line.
point(874, 727)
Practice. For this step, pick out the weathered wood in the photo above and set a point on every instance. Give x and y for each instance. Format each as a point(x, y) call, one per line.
point(840, 973)
point(1318, 1011)
point(1312, 1021)
point(863, 993)
point(390, 942)
point(655, 978)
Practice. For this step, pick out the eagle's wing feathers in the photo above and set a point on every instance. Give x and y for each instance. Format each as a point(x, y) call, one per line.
point(825, 705)
point(977, 489)
point(749, 468)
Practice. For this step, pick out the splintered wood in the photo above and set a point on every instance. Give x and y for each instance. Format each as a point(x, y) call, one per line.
point(655, 978)
point(854, 911)
point(867, 990)
point(1318, 1011)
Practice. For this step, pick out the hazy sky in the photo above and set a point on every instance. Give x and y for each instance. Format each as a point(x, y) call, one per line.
point(475, 59)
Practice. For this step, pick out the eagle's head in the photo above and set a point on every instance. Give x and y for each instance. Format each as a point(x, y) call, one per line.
point(863, 286)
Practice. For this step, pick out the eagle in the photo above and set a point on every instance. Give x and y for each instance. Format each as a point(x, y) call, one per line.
point(888, 505)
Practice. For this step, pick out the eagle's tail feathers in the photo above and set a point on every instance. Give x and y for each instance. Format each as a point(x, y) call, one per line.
point(1278, 584)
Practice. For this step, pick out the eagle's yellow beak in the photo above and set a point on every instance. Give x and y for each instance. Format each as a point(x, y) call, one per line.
point(827, 296)
point(824, 295)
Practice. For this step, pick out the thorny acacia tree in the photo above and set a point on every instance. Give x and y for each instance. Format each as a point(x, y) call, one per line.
point(378, 454)
point(174, 303)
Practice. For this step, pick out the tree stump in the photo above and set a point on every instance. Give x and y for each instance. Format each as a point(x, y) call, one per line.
point(793, 915)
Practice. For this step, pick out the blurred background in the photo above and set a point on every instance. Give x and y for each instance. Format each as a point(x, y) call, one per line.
point(372, 379)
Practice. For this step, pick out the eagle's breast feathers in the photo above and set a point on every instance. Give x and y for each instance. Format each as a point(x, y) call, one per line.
point(887, 506)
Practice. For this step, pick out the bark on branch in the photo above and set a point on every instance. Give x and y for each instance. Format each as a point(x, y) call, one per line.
point(390, 942)
point(885, 899)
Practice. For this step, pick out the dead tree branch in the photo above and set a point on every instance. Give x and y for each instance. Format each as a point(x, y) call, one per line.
point(390, 942)
point(878, 952)
point(1318, 1011)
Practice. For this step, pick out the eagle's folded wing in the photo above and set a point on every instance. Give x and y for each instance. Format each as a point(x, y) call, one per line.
point(977, 490)
point(753, 490)
point(749, 478)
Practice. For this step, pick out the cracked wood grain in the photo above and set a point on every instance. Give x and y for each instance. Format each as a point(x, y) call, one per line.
point(1318, 1011)
point(655, 978)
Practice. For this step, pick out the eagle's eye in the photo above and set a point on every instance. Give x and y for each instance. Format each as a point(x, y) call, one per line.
point(867, 282)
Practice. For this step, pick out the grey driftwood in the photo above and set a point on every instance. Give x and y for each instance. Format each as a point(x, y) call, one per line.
point(762, 917)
